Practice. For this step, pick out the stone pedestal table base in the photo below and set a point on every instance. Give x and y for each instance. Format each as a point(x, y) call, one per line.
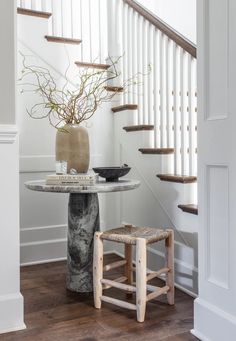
point(83, 221)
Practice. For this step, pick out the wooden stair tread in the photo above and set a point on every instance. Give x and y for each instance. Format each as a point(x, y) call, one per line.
point(140, 127)
point(125, 107)
point(183, 179)
point(31, 12)
point(63, 40)
point(93, 65)
point(158, 151)
point(114, 88)
point(190, 208)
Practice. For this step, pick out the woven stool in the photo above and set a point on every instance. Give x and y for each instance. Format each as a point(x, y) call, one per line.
point(139, 236)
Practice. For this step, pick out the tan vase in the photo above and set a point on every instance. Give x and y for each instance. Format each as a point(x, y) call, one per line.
point(72, 145)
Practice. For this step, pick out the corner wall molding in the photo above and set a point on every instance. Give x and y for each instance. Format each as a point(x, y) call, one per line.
point(8, 133)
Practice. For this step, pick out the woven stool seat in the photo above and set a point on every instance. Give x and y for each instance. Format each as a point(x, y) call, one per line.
point(128, 234)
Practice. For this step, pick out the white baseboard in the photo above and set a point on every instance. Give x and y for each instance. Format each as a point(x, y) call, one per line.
point(11, 313)
point(8, 133)
point(43, 251)
point(186, 275)
point(198, 335)
point(212, 323)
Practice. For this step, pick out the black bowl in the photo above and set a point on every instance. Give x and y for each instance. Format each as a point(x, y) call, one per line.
point(111, 174)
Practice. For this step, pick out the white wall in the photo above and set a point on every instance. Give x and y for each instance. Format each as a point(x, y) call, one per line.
point(180, 14)
point(43, 216)
point(11, 301)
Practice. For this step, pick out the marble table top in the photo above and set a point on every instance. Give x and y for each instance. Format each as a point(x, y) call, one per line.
point(100, 187)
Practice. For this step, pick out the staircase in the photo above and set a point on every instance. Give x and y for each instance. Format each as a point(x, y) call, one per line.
point(155, 121)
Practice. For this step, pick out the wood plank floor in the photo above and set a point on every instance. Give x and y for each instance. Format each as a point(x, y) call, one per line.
point(54, 314)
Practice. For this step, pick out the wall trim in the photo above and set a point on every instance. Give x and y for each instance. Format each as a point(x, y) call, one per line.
point(11, 307)
point(8, 133)
point(52, 260)
point(215, 322)
point(199, 335)
point(177, 261)
point(36, 228)
point(45, 163)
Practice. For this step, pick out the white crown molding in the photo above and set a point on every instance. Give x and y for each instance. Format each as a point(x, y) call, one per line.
point(8, 133)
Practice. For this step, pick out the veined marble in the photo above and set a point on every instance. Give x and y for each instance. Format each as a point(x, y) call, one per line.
point(83, 221)
point(100, 187)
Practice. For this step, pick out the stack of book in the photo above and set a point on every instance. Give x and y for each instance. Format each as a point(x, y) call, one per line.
point(68, 179)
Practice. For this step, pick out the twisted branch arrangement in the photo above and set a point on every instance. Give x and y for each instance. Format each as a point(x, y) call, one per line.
point(63, 105)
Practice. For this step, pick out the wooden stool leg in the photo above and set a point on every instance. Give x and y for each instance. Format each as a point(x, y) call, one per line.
point(129, 265)
point(141, 284)
point(97, 269)
point(169, 242)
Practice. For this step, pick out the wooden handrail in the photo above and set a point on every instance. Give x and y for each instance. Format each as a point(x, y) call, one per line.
point(180, 40)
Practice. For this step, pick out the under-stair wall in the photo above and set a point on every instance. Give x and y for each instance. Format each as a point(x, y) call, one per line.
point(44, 216)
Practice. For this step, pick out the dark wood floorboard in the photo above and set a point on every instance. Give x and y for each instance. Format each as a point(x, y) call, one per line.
point(54, 314)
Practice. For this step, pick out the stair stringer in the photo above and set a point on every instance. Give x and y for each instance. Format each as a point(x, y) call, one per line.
point(156, 203)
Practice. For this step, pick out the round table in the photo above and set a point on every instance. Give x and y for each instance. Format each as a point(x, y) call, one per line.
point(83, 222)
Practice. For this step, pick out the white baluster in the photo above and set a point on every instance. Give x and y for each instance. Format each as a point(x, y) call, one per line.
point(104, 30)
point(150, 92)
point(140, 68)
point(192, 102)
point(135, 61)
point(130, 53)
point(46, 5)
point(176, 108)
point(90, 32)
point(81, 29)
point(28, 4)
point(184, 115)
point(168, 94)
point(163, 91)
point(156, 68)
point(145, 72)
point(57, 18)
point(125, 50)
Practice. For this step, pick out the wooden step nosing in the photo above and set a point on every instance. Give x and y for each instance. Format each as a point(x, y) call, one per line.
point(156, 151)
point(125, 107)
point(190, 208)
point(62, 40)
point(33, 13)
point(141, 127)
point(114, 88)
point(93, 65)
point(183, 179)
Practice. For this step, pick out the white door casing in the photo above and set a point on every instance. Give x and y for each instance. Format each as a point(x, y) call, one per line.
point(215, 309)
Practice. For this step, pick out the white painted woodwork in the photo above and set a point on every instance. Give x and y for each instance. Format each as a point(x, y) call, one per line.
point(11, 300)
point(215, 308)
point(166, 87)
